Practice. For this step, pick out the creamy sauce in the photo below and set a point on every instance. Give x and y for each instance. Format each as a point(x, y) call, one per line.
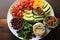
point(38, 29)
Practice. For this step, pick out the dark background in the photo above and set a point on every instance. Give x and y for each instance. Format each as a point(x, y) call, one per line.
point(7, 35)
point(4, 6)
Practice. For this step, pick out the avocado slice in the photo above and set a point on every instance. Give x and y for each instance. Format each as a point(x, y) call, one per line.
point(39, 16)
point(28, 11)
point(27, 15)
point(28, 18)
point(38, 19)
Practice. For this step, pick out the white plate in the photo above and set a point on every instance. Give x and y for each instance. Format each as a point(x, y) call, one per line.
point(9, 17)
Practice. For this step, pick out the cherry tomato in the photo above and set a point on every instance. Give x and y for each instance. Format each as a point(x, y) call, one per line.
point(28, 8)
point(20, 7)
point(14, 14)
point(17, 14)
point(14, 10)
point(20, 15)
point(28, 2)
point(21, 4)
point(31, 4)
point(16, 5)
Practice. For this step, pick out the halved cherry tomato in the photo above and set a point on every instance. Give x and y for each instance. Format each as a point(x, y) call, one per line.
point(14, 14)
point(28, 8)
point(28, 2)
point(17, 5)
point(20, 15)
point(14, 10)
point(21, 4)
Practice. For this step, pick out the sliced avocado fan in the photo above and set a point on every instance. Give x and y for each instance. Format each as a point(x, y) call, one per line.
point(28, 16)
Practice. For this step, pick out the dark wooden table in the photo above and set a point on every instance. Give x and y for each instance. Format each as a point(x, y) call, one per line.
point(5, 33)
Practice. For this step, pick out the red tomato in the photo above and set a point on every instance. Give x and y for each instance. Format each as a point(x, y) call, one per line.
point(20, 15)
point(19, 11)
point(14, 10)
point(31, 4)
point(28, 8)
point(21, 4)
point(16, 5)
point(20, 7)
point(17, 14)
point(14, 14)
point(26, 5)
point(28, 2)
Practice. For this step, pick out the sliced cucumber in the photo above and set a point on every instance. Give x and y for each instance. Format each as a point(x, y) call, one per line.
point(46, 14)
point(48, 10)
point(48, 6)
point(45, 5)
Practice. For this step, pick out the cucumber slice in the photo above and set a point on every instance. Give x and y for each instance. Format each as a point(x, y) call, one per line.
point(48, 10)
point(47, 14)
point(48, 6)
point(45, 5)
